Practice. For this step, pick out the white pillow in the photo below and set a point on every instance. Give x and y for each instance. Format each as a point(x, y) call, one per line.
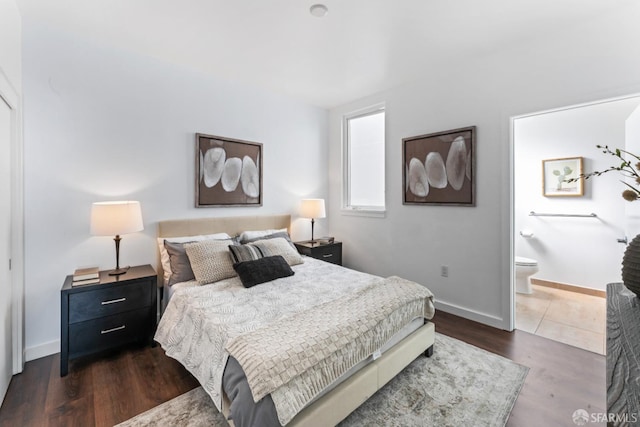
point(164, 255)
point(251, 235)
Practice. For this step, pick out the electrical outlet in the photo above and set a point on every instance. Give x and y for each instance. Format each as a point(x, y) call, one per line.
point(444, 271)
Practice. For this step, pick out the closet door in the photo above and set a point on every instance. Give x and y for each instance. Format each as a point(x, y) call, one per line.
point(6, 297)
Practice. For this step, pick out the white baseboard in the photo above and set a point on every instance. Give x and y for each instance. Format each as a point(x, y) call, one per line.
point(42, 350)
point(487, 319)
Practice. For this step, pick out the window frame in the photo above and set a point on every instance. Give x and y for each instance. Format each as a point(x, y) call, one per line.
point(347, 208)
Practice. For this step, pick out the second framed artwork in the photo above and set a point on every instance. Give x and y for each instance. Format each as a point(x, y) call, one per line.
point(228, 172)
point(555, 172)
point(439, 168)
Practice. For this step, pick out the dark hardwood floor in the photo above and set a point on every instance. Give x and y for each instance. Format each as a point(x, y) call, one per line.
point(98, 391)
point(561, 379)
point(105, 390)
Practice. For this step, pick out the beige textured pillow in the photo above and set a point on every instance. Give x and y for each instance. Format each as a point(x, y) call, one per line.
point(280, 246)
point(210, 260)
point(164, 255)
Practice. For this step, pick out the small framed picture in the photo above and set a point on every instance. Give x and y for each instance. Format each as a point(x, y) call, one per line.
point(556, 172)
point(228, 172)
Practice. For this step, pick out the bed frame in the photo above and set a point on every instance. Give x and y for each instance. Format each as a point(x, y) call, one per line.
point(346, 397)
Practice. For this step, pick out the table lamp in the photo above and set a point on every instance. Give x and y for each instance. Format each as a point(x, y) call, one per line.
point(312, 208)
point(116, 218)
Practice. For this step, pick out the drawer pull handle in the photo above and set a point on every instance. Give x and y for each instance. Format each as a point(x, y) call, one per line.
point(327, 255)
point(113, 301)
point(106, 331)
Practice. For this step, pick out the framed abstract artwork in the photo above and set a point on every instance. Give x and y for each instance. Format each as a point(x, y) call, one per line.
point(555, 172)
point(439, 168)
point(228, 172)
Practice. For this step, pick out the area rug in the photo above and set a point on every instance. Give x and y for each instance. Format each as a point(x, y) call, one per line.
point(460, 385)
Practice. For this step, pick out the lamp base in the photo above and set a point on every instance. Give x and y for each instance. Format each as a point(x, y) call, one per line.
point(118, 271)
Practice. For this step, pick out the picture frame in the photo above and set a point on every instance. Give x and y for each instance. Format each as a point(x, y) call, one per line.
point(228, 172)
point(439, 168)
point(555, 172)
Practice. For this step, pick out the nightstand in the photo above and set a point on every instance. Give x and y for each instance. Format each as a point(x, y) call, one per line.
point(331, 252)
point(117, 311)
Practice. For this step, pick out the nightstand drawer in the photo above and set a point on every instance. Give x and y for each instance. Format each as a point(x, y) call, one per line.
point(329, 253)
point(104, 302)
point(106, 332)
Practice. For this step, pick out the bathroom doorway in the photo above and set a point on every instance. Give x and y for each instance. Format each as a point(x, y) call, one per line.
point(568, 238)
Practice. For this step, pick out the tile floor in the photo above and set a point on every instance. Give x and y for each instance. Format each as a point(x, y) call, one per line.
point(572, 318)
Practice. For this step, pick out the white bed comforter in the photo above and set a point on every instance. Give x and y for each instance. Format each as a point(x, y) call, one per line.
point(199, 322)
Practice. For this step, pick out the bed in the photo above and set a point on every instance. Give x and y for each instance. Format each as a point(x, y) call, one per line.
point(327, 382)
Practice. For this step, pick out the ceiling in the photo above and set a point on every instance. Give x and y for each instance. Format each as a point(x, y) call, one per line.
point(361, 47)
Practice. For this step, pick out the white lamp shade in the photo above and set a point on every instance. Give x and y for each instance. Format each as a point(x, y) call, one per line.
point(312, 208)
point(115, 218)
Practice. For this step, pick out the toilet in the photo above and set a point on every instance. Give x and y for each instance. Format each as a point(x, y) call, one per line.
point(525, 268)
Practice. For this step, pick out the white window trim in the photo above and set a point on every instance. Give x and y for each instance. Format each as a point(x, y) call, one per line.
point(366, 211)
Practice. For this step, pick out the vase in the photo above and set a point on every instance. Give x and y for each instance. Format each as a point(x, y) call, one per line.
point(631, 266)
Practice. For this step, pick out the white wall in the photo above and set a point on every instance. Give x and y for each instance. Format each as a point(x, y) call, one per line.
point(103, 124)
point(596, 60)
point(10, 43)
point(576, 251)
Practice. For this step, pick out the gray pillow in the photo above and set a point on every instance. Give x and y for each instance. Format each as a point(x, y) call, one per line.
point(271, 236)
point(179, 261)
point(262, 270)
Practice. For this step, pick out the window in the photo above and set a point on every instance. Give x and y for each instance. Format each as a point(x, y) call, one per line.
point(364, 175)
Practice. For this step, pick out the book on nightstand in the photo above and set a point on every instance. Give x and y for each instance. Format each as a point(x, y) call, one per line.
point(84, 274)
point(325, 240)
point(85, 282)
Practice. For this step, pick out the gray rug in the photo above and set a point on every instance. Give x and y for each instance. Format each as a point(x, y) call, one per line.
point(460, 385)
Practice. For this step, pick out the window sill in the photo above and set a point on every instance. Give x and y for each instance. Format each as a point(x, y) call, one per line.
point(370, 213)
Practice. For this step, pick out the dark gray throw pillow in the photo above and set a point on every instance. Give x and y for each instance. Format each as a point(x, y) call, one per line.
point(180, 266)
point(262, 270)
